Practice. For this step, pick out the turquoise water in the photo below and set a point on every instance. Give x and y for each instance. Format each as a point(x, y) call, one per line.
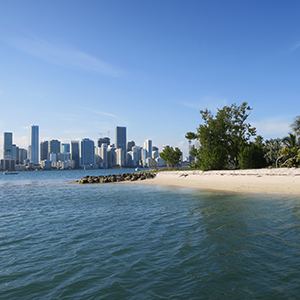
point(135, 241)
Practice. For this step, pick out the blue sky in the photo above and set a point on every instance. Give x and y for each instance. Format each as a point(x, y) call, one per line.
point(80, 68)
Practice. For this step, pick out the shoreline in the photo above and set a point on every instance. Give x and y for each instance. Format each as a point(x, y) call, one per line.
point(257, 181)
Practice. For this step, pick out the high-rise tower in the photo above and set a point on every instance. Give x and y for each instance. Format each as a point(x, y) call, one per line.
point(148, 147)
point(43, 151)
point(75, 153)
point(7, 145)
point(87, 152)
point(33, 144)
point(54, 146)
point(120, 137)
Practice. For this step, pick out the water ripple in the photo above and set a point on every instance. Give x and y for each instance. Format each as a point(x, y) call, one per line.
point(60, 241)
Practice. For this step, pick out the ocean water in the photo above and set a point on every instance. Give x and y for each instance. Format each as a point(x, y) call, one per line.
point(136, 241)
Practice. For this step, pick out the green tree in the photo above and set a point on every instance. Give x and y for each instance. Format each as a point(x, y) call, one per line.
point(171, 156)
point(271, 149)
point(252, 157)
point(290, 141)
point(222, 137)
point(289, 155)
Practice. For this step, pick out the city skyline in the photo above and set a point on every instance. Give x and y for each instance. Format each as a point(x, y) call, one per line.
point(51, 145)
point(77, 69)
point(83, 153)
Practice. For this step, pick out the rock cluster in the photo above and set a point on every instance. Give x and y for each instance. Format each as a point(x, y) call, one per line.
point(117, 178)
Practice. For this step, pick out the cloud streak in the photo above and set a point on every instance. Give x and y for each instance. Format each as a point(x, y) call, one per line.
point(99, 112)
point(275, 127)
point(295, 47)
point(207, 102)
point(63, 56)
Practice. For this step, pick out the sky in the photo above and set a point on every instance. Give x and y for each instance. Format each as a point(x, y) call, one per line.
point(79, 68)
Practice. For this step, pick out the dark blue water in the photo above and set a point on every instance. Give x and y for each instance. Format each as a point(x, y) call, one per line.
point(135, 241)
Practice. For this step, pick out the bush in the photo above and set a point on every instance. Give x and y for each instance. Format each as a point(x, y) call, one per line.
point(252, 157)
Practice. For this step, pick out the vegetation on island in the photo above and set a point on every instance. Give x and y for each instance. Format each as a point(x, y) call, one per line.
point(228, 141)
point(171, 156)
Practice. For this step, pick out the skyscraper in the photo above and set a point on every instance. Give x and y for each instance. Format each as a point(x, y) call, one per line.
point(75, 153)
point(120, 156)
point(111, 157)
point(54, 146)
point(7, 145)
point(22, 155)
point(103, 154)
point(33, 144)
point(148, 147)
point(120, 140)
point(65, 152)
point(138, 154)
point(15, 153)
point(43, 151)
point(120, 137)
point(87, 152)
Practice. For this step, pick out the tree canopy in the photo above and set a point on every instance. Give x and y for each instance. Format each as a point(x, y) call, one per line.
point(226, 141)
point(222, 137)
point(289, 155)
point(171, 156)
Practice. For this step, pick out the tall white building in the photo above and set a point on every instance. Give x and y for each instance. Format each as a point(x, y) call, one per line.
point(120, 153)
point(103, 154)
point(138, 155)
point(144, 157)
point(148, 147)
point(33, 144)
point(111, 157)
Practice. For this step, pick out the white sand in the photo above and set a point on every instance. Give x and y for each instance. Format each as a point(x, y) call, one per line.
point(267, 181)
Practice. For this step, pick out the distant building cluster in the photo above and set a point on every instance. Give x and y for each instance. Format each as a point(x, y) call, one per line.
point(78, 154)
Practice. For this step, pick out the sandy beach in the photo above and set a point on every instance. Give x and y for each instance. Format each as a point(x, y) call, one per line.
point(266, 181)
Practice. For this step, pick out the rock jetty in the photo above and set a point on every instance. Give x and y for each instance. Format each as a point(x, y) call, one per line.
point(116, 178)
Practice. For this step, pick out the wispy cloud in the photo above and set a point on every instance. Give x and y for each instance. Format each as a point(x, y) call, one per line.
point(273, 127)
point(99, 112)
point(69, 117)
point(295, 47)
point(63, 56)
point(211, 103)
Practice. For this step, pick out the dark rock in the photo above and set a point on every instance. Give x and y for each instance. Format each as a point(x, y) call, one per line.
point(116, 178)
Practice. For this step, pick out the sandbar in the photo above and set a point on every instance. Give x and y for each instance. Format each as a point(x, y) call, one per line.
point(262, 181)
